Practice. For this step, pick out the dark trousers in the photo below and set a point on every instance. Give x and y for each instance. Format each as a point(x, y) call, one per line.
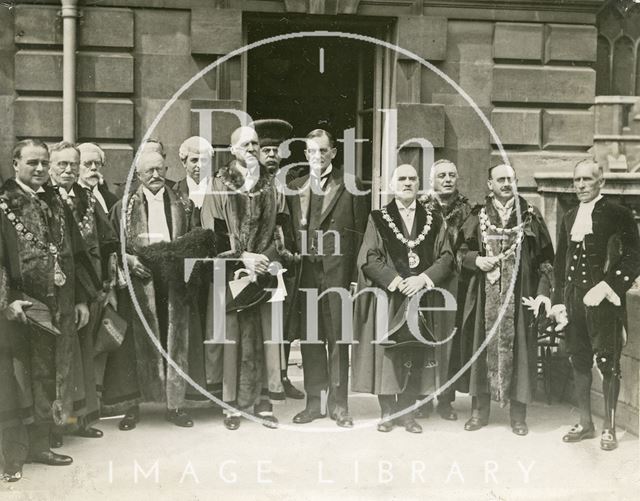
point(321, 361)
point(20, 442)
point(390, 404)
point(594, 331)
point(39, 437)
point(15, 446)
point(481, 408)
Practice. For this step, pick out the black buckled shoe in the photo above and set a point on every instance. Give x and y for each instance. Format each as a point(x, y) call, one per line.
point(55, 440)
point(291, 391)
point(520, 428)
point(344, 420)
point(608, 440)
point(445, 411)
point(342, 417)
point(88, 432)
point(50, 458)
point(12, 473)
point(578, 433)
point(475, 423)
point(411, 425)
point(232, 422)
point(179, 418)
point(386, 425)
point(129, 421)
point(424, 411)
point(268, 419)
point(307, 415)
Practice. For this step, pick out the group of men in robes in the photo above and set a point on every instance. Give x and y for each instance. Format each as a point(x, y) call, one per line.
point(435, 287)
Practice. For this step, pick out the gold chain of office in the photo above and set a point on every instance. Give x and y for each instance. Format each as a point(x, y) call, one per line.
point(30, 238)
point(414, 259)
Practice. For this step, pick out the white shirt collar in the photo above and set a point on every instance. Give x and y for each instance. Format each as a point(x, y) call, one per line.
point(197, 187)
point(507, 205)
point(590, 204)
point(158, 197)
point(401, 207)
point(583, 224)
point(28, 190)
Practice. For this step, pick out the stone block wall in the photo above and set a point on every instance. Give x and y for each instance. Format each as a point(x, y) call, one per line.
point(130, 62)
point(529, 71)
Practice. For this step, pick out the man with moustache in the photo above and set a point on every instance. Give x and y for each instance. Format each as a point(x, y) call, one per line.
point(597, 261)
point(137, 372)
point(405, 250)
point(92, 161)
point(196, 155)
point(455, 209)
point(39, 254)
point(271, 134)
point(101, 243)
point(487, 245)
point(328, 225)
point(247, 213)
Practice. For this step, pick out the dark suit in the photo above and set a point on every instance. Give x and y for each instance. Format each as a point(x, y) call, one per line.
point(610, 254)
point(345, 214)
point(182, 188)
point(109, 198)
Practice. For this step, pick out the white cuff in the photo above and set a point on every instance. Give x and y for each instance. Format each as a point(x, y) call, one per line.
point(610, 293)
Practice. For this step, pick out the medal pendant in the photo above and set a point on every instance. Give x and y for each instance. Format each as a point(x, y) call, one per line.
point(59, 278)
point(414, 260)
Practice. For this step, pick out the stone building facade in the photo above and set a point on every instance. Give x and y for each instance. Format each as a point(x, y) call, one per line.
point(528, 65)
point(557, 80)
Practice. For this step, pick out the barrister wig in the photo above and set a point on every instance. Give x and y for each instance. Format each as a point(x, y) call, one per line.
point(166, 259)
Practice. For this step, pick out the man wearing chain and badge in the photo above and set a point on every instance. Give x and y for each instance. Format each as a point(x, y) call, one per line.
point(43, 306)
point(101, 244)
point(445, 199)
point(247, 213)
point(488, 245)
point(405, 250)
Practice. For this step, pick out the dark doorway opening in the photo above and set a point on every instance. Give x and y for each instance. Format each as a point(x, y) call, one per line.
point(315, 82)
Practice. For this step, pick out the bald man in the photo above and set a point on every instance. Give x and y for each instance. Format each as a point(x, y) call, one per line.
point(405, 250)
point(487, 245)
point(137, 371)
point(247, 213)
point(598, 260)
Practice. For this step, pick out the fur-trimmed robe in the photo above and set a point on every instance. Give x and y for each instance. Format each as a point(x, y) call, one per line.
point(445, 322)
point(506, 369)
point(245, 223)
point(137, 371)
point(378, 369)
point(41, 382)
point(100, 241)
